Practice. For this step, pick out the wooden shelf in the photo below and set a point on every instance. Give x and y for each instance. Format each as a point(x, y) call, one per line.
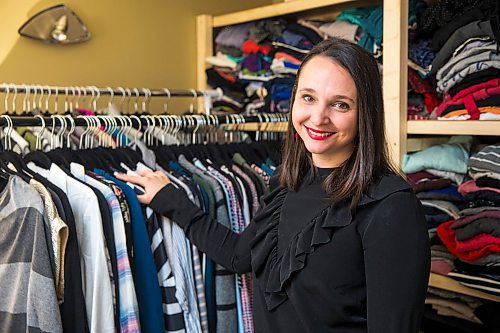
point(446, 283)
point(253, 127)
point(277, 9)
point(454, 127)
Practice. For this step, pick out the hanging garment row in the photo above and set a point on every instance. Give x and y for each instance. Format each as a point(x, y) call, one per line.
point(90, 257)
point(37, 97)
point(38, 132)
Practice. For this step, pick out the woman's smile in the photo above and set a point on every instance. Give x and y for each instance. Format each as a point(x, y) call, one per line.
point(317, 134)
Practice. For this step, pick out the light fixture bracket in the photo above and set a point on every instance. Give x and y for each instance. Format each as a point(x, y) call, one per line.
point(56, 25)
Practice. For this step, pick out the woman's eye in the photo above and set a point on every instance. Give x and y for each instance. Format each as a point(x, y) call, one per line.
point(308, 98)
point(341, 106)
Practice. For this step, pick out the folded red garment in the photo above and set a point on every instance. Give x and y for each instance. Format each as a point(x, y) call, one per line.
point(477, 242)
point(468, 96)
point(251, 47)
point(447, 236)
point(416, 177)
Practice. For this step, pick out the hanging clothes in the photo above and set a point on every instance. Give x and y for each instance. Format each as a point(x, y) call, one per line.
point(26, 265)
point(114, 265)
point(97, 286)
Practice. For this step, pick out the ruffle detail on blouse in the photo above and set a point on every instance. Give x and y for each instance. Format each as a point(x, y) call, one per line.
point(272, 272)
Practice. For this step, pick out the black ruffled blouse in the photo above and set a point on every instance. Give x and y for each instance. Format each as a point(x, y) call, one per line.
point(316, 267)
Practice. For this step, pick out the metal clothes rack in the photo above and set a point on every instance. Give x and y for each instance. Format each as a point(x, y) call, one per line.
point(33, 93)
point(143, 120)
point(116, 91)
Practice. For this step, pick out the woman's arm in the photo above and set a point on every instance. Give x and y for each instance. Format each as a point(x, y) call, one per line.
point(222, 245)
point(397, 263)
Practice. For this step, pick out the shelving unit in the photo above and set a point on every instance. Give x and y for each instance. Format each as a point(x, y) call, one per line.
point(395, 46)
point(394, 76)
point(454, 127)
point(282, 9)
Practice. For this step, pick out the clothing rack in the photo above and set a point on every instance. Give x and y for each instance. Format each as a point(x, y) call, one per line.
point(40, 94)
point(34, 93)
point(116, 91)
point(261, 120)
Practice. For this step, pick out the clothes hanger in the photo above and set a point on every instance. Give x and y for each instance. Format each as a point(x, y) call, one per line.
point(242, 148)
point(106, 153)
point(59, 155)
point(258, 145)
point(8, 156)
point(132, 156)
point(71, 155)
point(19, 140)
point(219, 150)
point(37, 157)
point(87, 161)
point(172, 152)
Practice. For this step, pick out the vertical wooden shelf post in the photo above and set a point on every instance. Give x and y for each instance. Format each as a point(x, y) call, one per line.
point(204, 48)
point(395, 44)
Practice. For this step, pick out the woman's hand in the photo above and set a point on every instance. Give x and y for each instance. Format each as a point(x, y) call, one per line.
point(151, 181)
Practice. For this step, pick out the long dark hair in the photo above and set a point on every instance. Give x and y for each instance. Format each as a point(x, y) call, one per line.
point(370, 157)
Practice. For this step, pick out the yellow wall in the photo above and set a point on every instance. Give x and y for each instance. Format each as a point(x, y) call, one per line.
point(147, 43)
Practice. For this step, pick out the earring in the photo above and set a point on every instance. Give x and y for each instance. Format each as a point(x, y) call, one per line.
point(296, 136)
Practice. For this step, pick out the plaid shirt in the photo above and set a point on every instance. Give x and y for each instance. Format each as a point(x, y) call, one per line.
point(129, 311)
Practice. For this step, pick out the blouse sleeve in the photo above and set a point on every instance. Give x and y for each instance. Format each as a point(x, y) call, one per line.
point(222, 245)
point(397, 263)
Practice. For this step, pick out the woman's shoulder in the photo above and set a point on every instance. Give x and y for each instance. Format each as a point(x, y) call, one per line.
point(391, 199)
point(383, 188)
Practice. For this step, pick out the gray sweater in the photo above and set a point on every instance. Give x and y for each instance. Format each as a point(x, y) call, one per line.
point(28, 301)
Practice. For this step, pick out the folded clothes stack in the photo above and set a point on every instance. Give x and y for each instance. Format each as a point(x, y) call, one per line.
point(256, 63)
point(455, 48)
point(458, 184)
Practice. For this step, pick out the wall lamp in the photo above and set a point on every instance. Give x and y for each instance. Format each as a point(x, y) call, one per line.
point(56, 25)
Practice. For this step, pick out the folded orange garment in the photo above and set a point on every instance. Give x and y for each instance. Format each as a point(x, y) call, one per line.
point(482, 109)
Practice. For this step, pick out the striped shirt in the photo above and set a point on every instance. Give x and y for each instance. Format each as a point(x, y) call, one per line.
point(487, 160)
point(29, 301)
point(197, 271)
point(172, 312)
point(185, 291)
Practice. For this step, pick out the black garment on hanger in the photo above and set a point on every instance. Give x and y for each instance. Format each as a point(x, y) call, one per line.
point(58, 203)
point(17, 161)
point(39, 158)
point(73, 310)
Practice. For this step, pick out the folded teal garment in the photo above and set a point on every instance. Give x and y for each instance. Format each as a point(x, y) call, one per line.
point(370, 20)
point(452, 156)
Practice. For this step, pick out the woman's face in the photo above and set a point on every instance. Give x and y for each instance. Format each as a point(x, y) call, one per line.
point(325, 112)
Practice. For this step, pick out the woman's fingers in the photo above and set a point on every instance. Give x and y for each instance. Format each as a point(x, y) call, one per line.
point(139, 180)
point(144, 199)
point(144, 173)
point(151, 182)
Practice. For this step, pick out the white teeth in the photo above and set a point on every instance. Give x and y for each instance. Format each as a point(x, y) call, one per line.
point(319, 134)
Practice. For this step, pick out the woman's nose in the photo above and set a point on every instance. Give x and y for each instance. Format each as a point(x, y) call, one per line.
point(320, 115)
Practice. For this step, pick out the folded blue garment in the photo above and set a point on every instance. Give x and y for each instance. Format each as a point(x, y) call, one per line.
point(452, 156)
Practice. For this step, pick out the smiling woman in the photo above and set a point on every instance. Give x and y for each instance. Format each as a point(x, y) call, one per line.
point(337, 121)
point(325, 113)
point(340, 243)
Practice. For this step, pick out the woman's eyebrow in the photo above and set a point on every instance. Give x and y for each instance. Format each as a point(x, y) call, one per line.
point(343, 97)
point(311, 90)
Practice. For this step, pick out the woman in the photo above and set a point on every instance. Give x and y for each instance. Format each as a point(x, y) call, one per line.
point(340, 244)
